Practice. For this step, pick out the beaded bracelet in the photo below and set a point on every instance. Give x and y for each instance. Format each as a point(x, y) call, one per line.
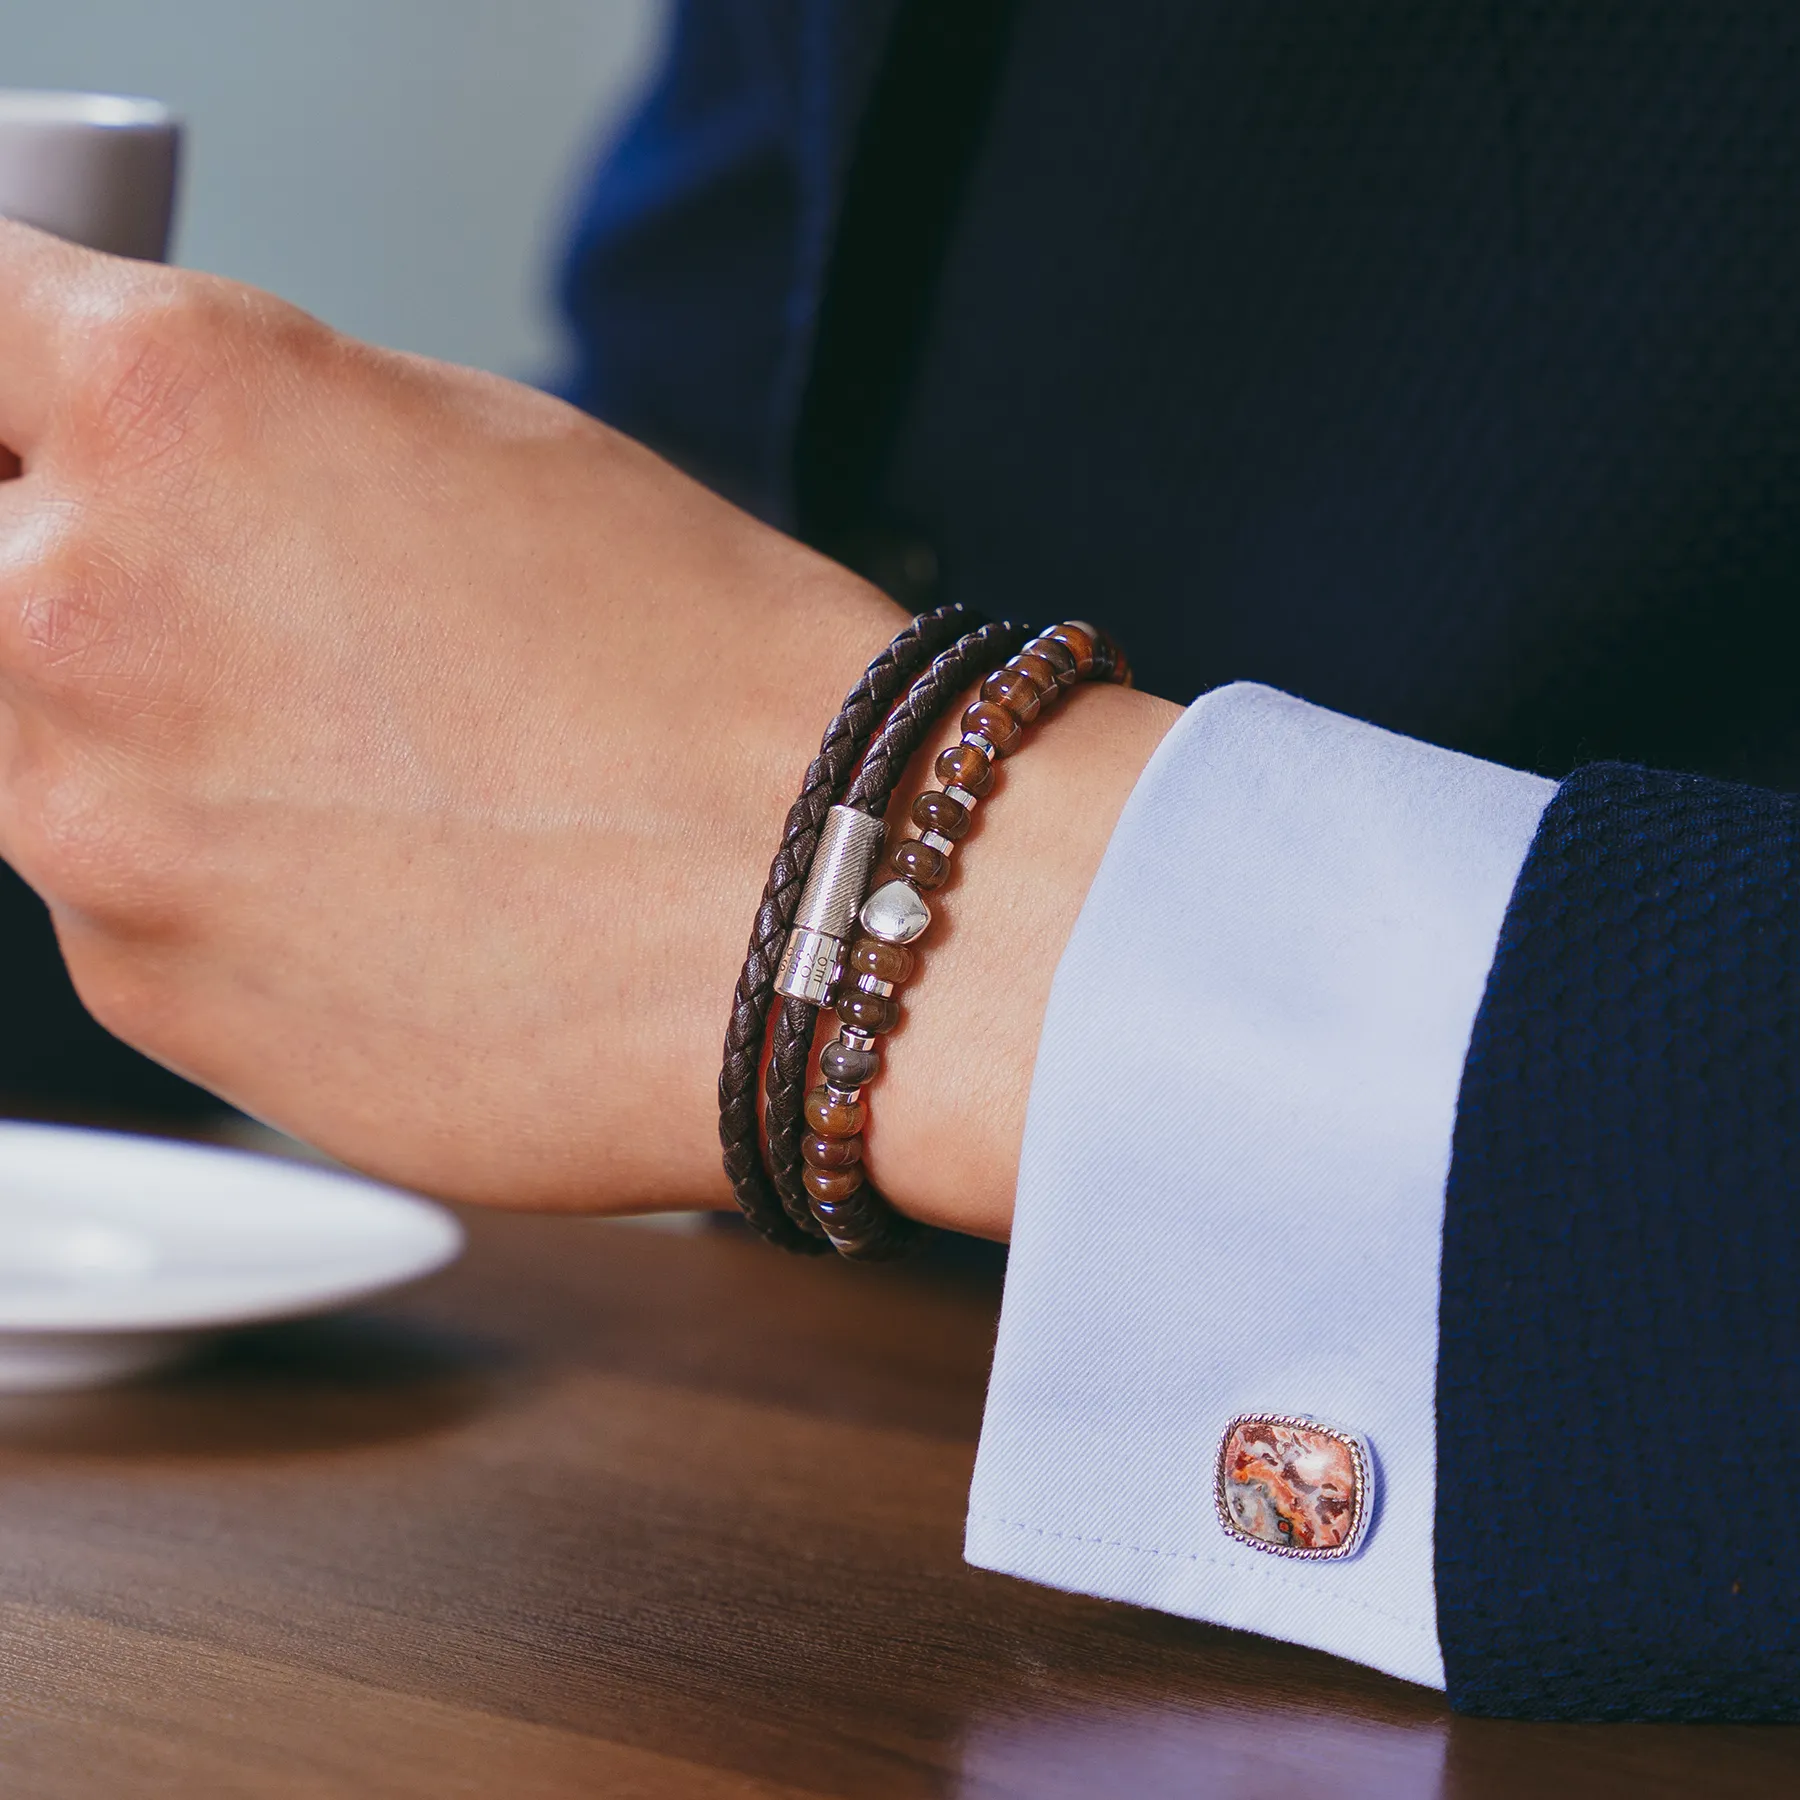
point(826, 918)
point(846, 739)
point(896, 915)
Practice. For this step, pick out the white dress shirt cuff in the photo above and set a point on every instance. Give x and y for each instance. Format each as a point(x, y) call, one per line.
point(1231, 1193)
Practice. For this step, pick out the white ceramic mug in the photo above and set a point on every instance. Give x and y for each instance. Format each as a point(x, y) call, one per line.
point(94, 168)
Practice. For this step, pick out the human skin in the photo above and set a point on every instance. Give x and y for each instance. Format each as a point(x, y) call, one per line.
point(400, 754)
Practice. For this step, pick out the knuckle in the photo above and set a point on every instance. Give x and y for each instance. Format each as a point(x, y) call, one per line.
point(83, 624)
point(141, 396)
point(62, 629)
point(172, 365)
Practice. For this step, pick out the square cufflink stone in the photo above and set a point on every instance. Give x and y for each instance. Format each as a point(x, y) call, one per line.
point(1293, 1486)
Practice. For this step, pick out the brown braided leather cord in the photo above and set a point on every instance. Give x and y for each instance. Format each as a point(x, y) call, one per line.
point(846, 738)
point(959, 667)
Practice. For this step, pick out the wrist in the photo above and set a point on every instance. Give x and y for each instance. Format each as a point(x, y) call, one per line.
point(947, 1116)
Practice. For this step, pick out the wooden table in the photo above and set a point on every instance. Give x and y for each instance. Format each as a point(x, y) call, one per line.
point(607, 1510)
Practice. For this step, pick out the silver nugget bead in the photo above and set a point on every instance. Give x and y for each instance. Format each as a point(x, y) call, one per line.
point(895, 913)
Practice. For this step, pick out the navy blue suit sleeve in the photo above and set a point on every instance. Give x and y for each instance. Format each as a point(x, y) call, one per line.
point(1619, 1365)
point(676, 281)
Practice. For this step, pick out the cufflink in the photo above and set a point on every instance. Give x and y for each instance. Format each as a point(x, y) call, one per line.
point(1293, 1486)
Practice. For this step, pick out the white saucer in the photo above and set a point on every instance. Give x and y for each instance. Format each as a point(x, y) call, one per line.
point(119, 1254)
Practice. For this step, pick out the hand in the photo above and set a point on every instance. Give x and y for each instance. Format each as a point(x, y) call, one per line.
point(400, 752)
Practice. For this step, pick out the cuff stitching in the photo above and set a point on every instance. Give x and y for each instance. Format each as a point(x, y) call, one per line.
point(1279, 1577)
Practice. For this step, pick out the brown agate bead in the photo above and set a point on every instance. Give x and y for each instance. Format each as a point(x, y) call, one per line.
point(1016, 691)
point(963, 766)
point(844, 1067)
point(1041, 674)
point(1077, 642)
point(831, 1184)
point(886, 962)
point(867, 1012)
point(923, 866)
point(852, 1224)
point(933, 811)
point(830, 1153)
point(831, 1117)
point(1059, 656)
point(995, 724)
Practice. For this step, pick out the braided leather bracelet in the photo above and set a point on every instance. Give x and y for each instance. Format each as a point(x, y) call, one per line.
point(857, 1220)
point(845, 740)
point(871, 1231)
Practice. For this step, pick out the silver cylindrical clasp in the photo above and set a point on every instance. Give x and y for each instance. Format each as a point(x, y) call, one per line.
point(809, 959)
point(849, 843)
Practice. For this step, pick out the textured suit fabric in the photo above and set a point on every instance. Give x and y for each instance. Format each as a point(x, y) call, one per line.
point(1619, 1360)
point(1435, 361)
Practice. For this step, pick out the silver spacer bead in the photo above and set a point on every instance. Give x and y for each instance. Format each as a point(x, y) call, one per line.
point(976, 741)
point(936, 839)
point(847, 1095)
point(858, 1040)
point(961, 796)
point(873, 984)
